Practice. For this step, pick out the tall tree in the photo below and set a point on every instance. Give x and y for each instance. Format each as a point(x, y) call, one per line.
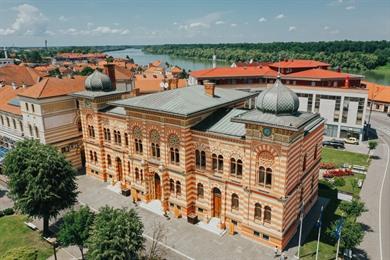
point(116, 234)
point(41, 181)
point(352, 209)
point(352, 233)
point(76, 228)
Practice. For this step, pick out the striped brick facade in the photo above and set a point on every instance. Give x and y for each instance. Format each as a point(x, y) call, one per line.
point(294, 179)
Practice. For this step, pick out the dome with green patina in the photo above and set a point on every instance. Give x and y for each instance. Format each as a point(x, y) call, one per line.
point(98, 81)
point(278, 99)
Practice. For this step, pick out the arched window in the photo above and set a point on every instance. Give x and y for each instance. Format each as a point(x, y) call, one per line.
point(268, 180)
point(233, 166)
point(261, 178)
point(136, 174)
point(215, 161)
point(315, 151)
point(156, 151)
point(239, 168)
point(175, 157)
point(95, 156)
point(91, 155)
point(119, 138)
point(200, 191)
point(36, 132)
point(138, 146)
point(235, 201)
point(200, 159)
point(220, 163)
point(258, 211)
point(236, 167)
point(126, 139)
point(267, 214)
point(178, 188)
point(172, 186)
point(108, 160)
point(304, 162)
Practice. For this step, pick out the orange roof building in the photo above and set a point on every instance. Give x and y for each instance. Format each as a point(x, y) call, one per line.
point(19, 75)
point(379, 97)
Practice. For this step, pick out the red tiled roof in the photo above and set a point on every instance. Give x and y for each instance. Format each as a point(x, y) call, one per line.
point(298, 64)
point(7, 93)
point(320, 74)
point(19, 74)
point(53, 87)
point(69, 55)
point(234, 72)
point(150, 85)
point(378, 92)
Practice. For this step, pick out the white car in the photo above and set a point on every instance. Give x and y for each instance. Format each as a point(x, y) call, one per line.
point(351, 140)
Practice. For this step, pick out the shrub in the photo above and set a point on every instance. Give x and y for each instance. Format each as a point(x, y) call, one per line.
point(337, 173)
point(25, 253)
point(8, 211)
point(1, 213)
point(327, 165)
point(339, 182)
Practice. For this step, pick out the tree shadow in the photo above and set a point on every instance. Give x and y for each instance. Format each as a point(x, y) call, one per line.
point(375, 157)
point(366, 228)
point(360, 254)
point(3, 193)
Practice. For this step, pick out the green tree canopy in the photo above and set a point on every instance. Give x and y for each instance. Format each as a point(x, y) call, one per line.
point(116, 234)
point(351, 235)
point(352, 209)
point(41, 181)
point(86, 71)
point(76, 228)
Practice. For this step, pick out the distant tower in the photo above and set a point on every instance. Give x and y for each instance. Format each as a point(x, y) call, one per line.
point(214, 61)
point(5, 53)
point(46, 44)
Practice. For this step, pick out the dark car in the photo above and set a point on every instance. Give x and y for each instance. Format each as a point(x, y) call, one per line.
point(334, 143)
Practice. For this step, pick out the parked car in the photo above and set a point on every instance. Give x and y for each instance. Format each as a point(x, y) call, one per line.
point(334, 143)
point(351, 140)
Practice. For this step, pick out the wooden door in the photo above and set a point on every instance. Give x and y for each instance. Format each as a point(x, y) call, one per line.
point(157, 187)
point(217, 203)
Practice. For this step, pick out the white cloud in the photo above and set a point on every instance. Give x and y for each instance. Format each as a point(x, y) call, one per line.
point(350, 7)
point(100, 30)
point(219, 22)
point(279, 16)
point(201, 22)
point(233, 25)
point(116, 24)
point(334, 31)
point(292, 28)
point(29, 21)
point(175, 23)
point(63, 18)
point(262, 19)
point(326, 28)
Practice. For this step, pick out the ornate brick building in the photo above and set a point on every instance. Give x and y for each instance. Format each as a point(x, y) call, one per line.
point(204, 156)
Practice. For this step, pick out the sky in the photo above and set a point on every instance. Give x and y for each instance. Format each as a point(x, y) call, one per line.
point(133, 22)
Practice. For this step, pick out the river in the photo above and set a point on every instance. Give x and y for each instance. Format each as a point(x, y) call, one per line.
point(191, 64)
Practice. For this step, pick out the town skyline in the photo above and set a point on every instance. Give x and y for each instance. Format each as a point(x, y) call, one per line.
point(29, 23)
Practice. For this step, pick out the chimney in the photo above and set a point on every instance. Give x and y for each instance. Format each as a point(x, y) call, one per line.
point(209, 88)
point(134, 92)
point(109, 70)
point(14, 87)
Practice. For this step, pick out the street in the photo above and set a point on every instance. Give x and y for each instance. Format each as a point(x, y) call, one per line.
point(376, 194)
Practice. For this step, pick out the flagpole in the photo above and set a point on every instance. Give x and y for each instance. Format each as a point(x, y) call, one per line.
point(338, 246)
point(319, 234)
point(300, 230)
point(300, 236)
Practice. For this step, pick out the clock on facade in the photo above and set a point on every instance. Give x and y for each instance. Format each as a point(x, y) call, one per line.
point(267, 131)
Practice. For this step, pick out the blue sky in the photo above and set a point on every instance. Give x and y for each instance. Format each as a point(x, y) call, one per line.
point(78, 22)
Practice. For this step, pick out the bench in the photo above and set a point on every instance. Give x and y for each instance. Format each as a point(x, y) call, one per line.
point(31, 225)
point(359, 169)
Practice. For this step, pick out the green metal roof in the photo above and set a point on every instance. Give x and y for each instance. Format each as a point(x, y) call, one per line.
point(184, 101)
point(220, 122)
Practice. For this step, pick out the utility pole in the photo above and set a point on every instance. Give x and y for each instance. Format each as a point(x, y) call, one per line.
point(300, 229)
point(319, 232)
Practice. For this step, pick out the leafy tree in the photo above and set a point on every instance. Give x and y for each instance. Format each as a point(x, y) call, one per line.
point(55, 72)
point(354, 184)
point(41, 181)
point(86, 71)
point(116, 234)
point(76, 228)
point(372, 145)
point(351, 235)
point(109, 59)
point(352, 209)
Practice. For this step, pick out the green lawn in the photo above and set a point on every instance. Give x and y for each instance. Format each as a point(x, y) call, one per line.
point(327, 245)
point(340, 157)
point(14, 233)
point(348, 186)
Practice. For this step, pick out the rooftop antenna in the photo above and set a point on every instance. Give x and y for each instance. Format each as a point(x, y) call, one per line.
point(5, 53)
